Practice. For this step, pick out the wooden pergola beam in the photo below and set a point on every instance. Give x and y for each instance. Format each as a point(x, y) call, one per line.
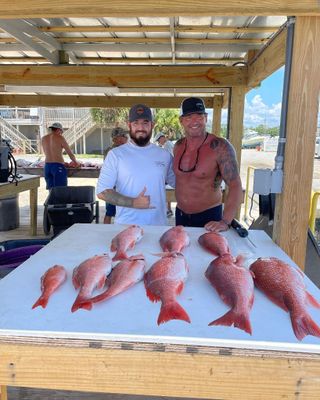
point(162, 8)
point(268, 61)
point(124, 76)
point(118, 60)
point(95, 101)
point(160, 28)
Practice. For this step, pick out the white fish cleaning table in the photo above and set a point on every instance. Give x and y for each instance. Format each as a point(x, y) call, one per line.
point(117, 347)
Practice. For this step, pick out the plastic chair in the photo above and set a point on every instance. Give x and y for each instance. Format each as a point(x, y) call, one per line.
point(68, 205)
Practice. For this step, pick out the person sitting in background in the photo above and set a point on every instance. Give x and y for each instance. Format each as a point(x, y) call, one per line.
point(166, 144)
point(53, 144)
point(119, 136)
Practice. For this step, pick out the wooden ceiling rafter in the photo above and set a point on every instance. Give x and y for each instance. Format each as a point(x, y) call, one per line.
point(97, 101)
point(159, 29)
point(162, 8)
point(124, 76)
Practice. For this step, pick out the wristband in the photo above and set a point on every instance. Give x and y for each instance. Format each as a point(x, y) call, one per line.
point(224, 221)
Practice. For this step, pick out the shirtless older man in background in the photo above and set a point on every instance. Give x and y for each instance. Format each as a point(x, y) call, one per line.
point(201, 162)
point(53, 144)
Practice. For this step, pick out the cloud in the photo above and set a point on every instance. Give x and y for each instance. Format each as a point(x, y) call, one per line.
point(256, 112)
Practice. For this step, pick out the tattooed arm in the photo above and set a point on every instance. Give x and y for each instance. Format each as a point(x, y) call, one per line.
point(113, 197)
point(228, 168)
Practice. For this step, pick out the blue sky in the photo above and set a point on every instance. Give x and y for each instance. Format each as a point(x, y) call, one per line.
point(263, 103)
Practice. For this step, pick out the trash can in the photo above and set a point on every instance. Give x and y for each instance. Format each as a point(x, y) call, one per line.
point(9, 213)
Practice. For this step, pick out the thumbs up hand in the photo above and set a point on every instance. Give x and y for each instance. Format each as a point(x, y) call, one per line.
point(142, 201)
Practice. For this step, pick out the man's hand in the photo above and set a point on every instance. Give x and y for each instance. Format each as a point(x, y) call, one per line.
point(216, 226)
point(142, 201)
point(74, 164)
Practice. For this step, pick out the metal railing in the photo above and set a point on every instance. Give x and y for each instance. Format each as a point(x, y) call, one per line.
point(313, 211)
point(66, 116)
point(19, 114)
point(17, 139)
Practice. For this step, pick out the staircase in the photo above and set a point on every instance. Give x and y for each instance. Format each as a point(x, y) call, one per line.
point(81, 127)
point(17, 139)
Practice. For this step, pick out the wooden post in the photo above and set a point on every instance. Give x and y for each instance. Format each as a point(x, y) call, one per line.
point(216, 123)
point(236, 122)
point(292, 205)
point(236, 119)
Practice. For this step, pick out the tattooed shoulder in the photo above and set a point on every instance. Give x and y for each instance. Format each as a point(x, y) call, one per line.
point(227, 161)
point(215, 142)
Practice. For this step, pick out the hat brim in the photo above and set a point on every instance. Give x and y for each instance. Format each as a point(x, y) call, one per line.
point(193, 112)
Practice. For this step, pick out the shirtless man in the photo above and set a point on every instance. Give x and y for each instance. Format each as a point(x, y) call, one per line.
point(53, 144)
point(201, 162)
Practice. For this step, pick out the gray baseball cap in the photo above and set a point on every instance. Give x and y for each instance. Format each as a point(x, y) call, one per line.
point(140, 111)
point(56, 125)
point(118, 132)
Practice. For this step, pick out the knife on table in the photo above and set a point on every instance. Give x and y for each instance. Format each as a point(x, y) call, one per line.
point(241, 230)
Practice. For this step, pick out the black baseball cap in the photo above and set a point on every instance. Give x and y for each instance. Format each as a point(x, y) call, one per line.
point(140, 111)
point(192, 105)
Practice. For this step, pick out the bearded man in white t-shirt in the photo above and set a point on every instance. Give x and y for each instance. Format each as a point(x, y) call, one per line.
point(134, 175)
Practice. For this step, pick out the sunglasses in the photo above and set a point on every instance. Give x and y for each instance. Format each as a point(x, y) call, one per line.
point(197, 157)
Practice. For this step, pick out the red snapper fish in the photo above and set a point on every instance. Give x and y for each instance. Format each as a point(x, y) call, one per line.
point(125, 240)
point(91, 274)
point(284, 286)
point(175, 239)
point(125, 274)
point(215, 243)
point(235, 286)
point(164, 281)
point(51, 280)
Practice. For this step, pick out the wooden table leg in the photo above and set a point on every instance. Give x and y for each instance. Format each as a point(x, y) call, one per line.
point(3, 393)
point(33, 211)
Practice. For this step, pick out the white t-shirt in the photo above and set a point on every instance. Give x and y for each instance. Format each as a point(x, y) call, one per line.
point(128, 169)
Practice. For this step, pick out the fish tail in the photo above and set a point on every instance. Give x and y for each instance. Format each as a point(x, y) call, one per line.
point(304, 325)
point(86, 304)
point(170, 311)
point(42, 301)
point(239, 320)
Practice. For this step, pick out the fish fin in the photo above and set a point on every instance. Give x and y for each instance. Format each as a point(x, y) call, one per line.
point(102, 282)
point(240, 321)
point(304, 325)
point(42, 301)
point(153, 297)
point(170, 311)
point(120, 255)
point(312, 301)
point(180, 288)
point(75, 281)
